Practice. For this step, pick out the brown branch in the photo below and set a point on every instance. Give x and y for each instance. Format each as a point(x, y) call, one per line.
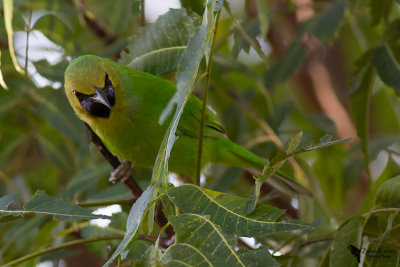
point(135, 189)
point(94, 24)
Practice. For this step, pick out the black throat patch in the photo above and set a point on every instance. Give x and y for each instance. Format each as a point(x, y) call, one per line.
point(94, 107)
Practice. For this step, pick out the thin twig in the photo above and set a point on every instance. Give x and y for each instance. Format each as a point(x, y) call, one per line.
point(205, 96)
point(95, 25)
point(381, 210)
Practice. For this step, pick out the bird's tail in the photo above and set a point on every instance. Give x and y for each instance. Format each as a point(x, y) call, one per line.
point(232, 154)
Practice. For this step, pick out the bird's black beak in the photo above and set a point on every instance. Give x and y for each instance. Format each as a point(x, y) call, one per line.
point(98, 96)
point(100, 102)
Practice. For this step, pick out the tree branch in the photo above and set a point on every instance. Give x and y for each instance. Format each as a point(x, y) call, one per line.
point(135, 189)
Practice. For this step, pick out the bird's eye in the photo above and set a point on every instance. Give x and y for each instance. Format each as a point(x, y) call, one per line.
point(77, 94)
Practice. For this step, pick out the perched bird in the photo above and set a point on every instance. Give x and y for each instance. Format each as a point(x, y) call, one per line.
point(122, 106)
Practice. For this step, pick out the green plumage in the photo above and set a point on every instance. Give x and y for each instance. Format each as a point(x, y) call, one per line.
point(132, 132)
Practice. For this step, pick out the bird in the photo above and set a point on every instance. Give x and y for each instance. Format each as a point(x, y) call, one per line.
point(122, 106)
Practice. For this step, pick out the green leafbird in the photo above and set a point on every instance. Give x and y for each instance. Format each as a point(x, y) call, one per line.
point(122, 106)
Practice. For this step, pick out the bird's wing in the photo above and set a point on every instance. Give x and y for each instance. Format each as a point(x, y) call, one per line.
point(189, 124)
point(156, 92)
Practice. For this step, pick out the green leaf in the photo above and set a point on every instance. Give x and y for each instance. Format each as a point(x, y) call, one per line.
point(182, 254)
point(257, 257)
point(360, 100)
point(85, 179)
point(54, 73)
point(227, 211)
point(386, 62)
point(55, 149)
point(324, 141)
point(37, 14)
point(388, 195)
point(5, 202)
point(159, 45)
point(132, 224)
point(151, 258)
point(8, 100)
point(117, 192)
point(186, 76)
point(41, 203)
point(211, 243)
point(58, 113)
point(383, 239)
point(272, 166)
point(188, 66)
point(346, 243)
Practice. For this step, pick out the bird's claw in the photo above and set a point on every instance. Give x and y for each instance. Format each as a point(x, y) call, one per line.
point(121, 173)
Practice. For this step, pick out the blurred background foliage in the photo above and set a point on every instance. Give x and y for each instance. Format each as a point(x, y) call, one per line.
point(280, 67)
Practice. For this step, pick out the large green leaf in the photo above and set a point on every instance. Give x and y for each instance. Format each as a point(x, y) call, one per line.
point(5, 202)
point(132, 225)
point(159, 45)
point(228, 212)
point(187, 71)
point(388, 194)
point(211, 243)
point(42, 204)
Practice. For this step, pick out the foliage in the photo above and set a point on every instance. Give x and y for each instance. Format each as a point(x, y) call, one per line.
point(282, 76)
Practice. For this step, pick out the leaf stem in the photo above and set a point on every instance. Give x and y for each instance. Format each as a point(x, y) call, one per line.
point(205, 96)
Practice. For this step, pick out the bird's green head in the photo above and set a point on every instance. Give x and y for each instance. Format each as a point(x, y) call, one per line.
point(92, 86)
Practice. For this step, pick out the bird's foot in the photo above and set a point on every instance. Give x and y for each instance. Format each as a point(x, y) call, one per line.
point(122, 172)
